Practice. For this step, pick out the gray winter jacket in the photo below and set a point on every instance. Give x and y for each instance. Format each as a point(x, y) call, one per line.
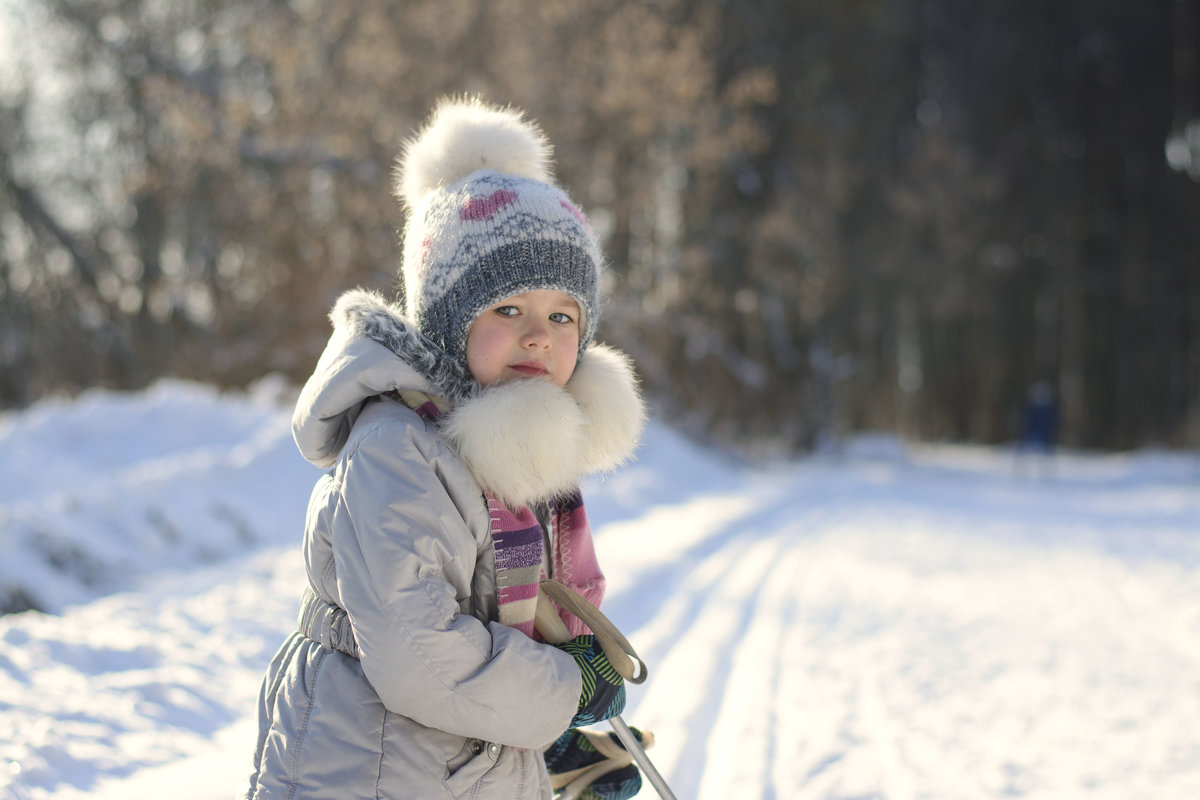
point(400, 683)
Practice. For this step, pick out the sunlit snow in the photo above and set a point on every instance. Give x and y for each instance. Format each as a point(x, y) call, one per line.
point(889, 622)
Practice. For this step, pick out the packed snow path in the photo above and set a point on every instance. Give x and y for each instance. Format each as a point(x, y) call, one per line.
point(882, 628)
point(883, 624)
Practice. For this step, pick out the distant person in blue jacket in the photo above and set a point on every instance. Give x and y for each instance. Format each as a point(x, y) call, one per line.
point(1039, 424)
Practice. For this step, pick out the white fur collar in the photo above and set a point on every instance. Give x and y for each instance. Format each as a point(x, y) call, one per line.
point(526, 440)
point(530, 440)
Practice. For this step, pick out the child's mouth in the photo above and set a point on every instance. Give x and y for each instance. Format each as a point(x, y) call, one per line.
point(532, 368)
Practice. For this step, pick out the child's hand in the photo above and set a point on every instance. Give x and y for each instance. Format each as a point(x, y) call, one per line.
point(576, 754)
point(603, 694)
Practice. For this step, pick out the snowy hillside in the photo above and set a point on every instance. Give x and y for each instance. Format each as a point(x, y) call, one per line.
point(887, 623)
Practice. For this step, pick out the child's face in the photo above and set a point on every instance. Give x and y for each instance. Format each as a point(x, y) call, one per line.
point(529, 335)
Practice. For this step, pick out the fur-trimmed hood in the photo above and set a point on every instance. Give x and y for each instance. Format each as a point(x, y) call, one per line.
point(526, 440)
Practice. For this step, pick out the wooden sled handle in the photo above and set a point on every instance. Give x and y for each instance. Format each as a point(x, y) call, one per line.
point(616, 647)
point(619, 653)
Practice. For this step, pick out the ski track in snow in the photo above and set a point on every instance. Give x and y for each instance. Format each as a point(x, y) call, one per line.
point(860, 631)
point(890, 623)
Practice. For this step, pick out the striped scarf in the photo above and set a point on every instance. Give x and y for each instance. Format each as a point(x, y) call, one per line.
point(520, 546)
point(519, 543)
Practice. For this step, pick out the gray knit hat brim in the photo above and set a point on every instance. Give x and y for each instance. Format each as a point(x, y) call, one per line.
point(514, 268)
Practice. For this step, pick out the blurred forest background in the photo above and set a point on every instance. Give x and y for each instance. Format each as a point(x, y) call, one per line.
point(821, 217)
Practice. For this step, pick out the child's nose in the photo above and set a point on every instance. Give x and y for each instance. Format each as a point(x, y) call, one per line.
point(536, 335)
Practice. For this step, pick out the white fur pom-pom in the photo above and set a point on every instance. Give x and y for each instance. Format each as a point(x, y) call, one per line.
point(466, 135)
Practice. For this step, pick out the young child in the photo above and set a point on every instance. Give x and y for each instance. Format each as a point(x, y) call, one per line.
point(456, 434)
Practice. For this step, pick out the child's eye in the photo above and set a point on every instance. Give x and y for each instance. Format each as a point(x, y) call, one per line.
point(508, 311)
point(561, 318)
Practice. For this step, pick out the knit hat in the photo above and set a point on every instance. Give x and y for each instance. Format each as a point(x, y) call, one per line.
point(486, 221)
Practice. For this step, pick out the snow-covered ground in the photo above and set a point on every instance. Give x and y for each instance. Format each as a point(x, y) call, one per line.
point(890, 622)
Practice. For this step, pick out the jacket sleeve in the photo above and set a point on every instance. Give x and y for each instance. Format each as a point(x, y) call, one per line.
point(405, 556)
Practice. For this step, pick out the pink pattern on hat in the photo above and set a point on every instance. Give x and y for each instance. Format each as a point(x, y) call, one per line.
point(423, 262)
point(484, 208)
point(578, 215)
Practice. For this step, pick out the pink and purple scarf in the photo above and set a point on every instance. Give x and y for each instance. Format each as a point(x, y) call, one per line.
point(520, 545)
